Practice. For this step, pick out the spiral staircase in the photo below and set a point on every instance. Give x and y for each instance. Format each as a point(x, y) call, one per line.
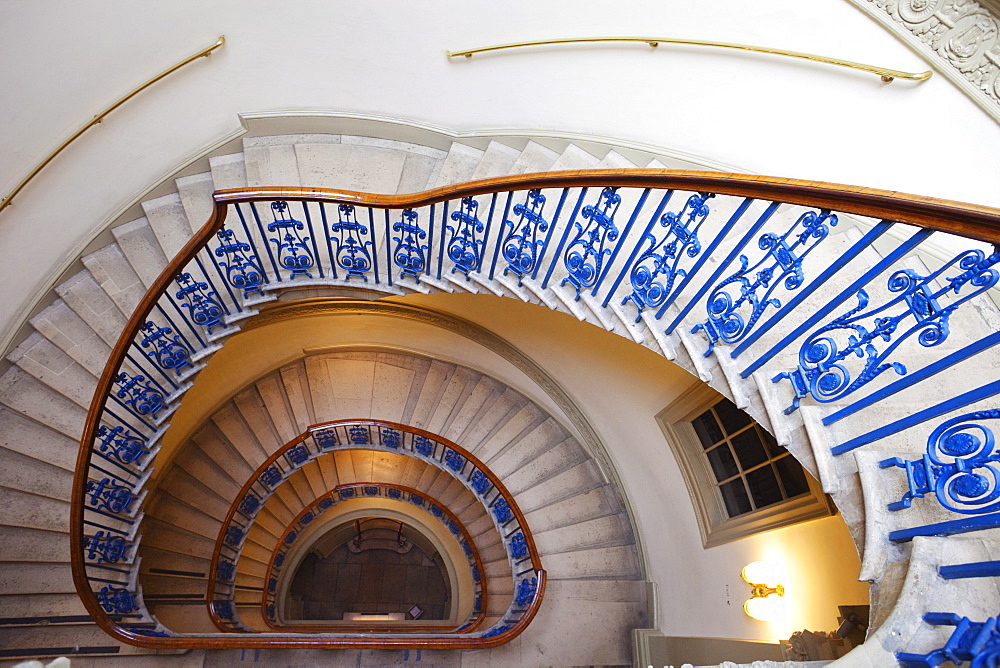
point(577, 512)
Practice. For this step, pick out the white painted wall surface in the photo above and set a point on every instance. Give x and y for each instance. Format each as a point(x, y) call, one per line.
point(62, 62)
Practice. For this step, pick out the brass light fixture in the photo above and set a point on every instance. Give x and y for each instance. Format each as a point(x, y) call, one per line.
point(765, 603)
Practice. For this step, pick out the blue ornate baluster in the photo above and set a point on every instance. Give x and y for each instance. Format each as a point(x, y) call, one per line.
point(297, 455)
point(326, 439)
point(243, 270)
point(270, 476)
point(978, 642)
point(202, 303)
point(109, 496)
point(225, 570)
point(655, 271)
point(823, 371)
point(454, 461)
point(518, 546)
point(359, 435)
point(117, 600)
point(960, 467)
point(120, 444)
point(391, 438)
point(585, 255)
point(423, 445)
point(522, 245)
point(409, 254)
point(250, 504)
point(730, 316)
point(465, 248)
point(105, 548)
point(525, 591)
point(139, 394)
point(293, 249)
point(352, 254)
point(167, 351)
point(502, 511)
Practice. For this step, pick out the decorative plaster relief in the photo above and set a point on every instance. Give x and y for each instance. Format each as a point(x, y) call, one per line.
point(961, 38)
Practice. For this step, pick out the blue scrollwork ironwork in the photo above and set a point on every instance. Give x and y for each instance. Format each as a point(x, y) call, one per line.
point(326, 504)
point(978, 642)
point(249, 504)
point(919, 308)
point(105, 547)
point(409, 254)
point(223, 609)
point(298, 454)
point(139, 393)
point(585, 255)
point(270, 476)
point(279, 558)
point(121, 444)
point(496, 630)
point(242, 267)
point(455, 461)
point(110, 496)
point(394, 493)
point(525, 591)
point(479, 482)
point(960, 468)
point(347, 493)
point(117, 600)
point(502, 511)
point(326, 439)
point(424, 445)
point(518, 546)
point(291, 537)
point(201, 302)
point(293, 249)
point(465, 248)
point(307, 518)
point(655, 271)
point(233, 536)
point(731, 317)
point(359, 435)
point(522, 245)
point(167, 351)
point(224, 570)
point(352, 254)
point(370, 490)
point(391, 438)
point(416, 499)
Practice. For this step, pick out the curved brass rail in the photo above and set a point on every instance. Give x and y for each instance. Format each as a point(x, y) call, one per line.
point(5, 202)
point(888, 75)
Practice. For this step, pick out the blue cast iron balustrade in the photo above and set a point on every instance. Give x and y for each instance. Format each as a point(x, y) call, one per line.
point(465, 248)
point(732, 316)
point(139, 394)
point(353, 244)
point(522, 244)
point(960, 468)
point(293, 250)
point(978, 642)
point(110, 496)
point(653, 275)
point(525, 591)
point(117, 600)
point(242, 267)
point(201, 302)
point(409, 254)
point(920, 308)
point(105, 548)
point(588, 250)
point(121, 445)
point(166, 349)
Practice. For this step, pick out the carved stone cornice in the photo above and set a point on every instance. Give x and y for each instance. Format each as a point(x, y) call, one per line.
point(959, 38)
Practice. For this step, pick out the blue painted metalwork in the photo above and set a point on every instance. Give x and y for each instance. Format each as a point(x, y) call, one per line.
point(502, 511)
point(223, 609)
point(139, 394)
point(731, 317)
point(978, 642)
point(107, 495)
point(270, 476)
point(518, 546)
point(465, 248)
point(326, 504)
point(394, 493)
point(653, 274)
point(416, 499)
point(103, 547)
point(370, 490)
point(423, 445)
point(117, 600)
point(249, 504)
point(479, 482)
point(359, 435)
point(272, 585)
point(562, 240)
point(496, 630)
point(293, 251)
point(585, 255)
point(326, 438)
point(960, 467)
point(312, 236)
point(292, 536)
point(233, 536)
point(455, 461)
point(525, 591)
point(622, 239)
point(409, 254)
point(978, 569)
point(243, 270)
point(826, 309)
point(965, 524)
point(225, 570)
point(121, 444)
point(167, 351)
point(521, 246)
point(391, 438)
point(353, 253)
point(202, 303)
point(436, 511)
point(347, 493)
point(453, 528)
point(823, 371)
point(297, 455)
point(307, 518)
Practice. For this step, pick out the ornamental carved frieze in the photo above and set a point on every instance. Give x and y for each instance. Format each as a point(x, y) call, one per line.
point(961, 37)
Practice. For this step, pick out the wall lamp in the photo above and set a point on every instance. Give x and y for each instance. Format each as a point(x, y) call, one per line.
point(765, 603)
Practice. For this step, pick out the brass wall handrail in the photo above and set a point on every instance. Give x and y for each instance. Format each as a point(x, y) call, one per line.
point(5, 202)
point(887, 74)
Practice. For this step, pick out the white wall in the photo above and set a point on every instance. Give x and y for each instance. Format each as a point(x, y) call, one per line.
point(62, 62)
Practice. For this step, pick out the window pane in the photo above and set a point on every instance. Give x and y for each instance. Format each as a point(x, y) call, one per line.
point(723, 464)
point(708, 430)
point(763, 486)
point(773, 449)
point(749, 450)
point(734, 495)
point(792, 475)
point(733, 419)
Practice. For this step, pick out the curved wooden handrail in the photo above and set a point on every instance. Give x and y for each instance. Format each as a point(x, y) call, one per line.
point(314, 628)
point(536, 563)
point(968, 220)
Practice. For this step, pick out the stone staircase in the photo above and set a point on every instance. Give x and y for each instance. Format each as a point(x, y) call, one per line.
point(577, 517)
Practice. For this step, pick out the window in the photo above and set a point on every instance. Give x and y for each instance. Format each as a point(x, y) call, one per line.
point(740, 480)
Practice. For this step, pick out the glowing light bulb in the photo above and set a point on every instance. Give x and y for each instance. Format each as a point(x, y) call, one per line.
point(762, 572)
